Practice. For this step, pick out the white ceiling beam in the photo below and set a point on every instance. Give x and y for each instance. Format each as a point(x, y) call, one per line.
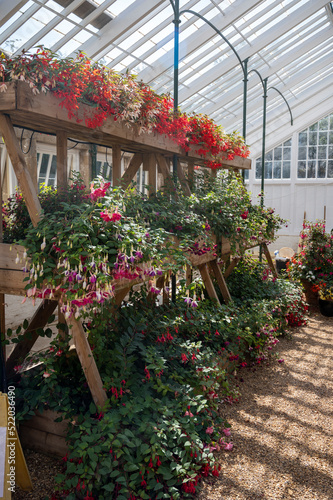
point(119, 26)
point(9, 9)
point(277, 65)
point(231, 14)
point(293, 19)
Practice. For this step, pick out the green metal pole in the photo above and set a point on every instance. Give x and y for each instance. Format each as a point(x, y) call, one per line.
point(245, 80)
point(263, 153)
point(176, 22)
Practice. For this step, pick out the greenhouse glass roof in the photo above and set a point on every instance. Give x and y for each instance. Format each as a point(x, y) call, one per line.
point(289, 42)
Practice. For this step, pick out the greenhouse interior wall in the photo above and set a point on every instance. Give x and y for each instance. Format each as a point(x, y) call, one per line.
point(298, 181)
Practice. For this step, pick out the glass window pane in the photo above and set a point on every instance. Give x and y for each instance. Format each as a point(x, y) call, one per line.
point(322, 152)
point(313, 127)
point(277, 170)
point(330, 169)
point(331, 122)
point(287, 143)
point(246, 175)
point(321, 169)
point(268, 169)
point(269, 156)
point(287, 153)
point(301, 169)
point(312, 153)
point(303, 139)
point(322, 138)
point(278, 154)
point(302, 153)
point(53, 169)
point(98, 167)
point(286, 170)
point(323, 124)
point(258, 169)
point(313, 138)
point(330, 152)
point(311, 170)
point(43, 166)
point(330, 138)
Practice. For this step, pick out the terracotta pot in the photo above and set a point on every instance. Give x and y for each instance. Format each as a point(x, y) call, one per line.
point(310, 296)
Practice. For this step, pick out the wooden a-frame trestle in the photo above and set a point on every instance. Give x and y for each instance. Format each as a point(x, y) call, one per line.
point(19, 107)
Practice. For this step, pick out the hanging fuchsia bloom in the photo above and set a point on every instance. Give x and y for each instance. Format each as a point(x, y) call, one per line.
point(245, 214)
point(99, 192)
point(110, 217)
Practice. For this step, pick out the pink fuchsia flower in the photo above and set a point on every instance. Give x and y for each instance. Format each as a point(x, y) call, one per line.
point(209, 430)
point(226, 432)
point(280, 360)
point(99, 192)
point(228, 446)
point(188, 414)
point(245, 214)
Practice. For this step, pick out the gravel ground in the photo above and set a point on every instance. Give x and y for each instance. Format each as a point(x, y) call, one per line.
point(282, 428)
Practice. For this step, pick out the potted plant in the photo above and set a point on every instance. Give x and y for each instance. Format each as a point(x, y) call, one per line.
point(314, 262)
point(325, 300)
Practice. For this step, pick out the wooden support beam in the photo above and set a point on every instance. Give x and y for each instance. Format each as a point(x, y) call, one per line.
point(21, 171)
point(208, 282)
point(188, 274)
point(220, 280)
point(88, 362)
point(165, 171)
point(269, 260)
point(131, 170)
point(231, 267)
point(150, 161)
point(190, 174)
point(116, 165)
point(39, 320)
point(62, 168)
point(183, 180)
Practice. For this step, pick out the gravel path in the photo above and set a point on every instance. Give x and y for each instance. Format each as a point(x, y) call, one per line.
point(282, 428)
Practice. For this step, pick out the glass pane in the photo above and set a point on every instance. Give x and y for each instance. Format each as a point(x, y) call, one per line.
point(312, 153)
point(277, 170)
point(313, 138)
point(322, 137)
point(246, 175)
point(287, 153)
point(301, 169)
point(331, 122)
point(269, 155)
point(53, 169)
point(287, 143)
point(278, 154)
point(268, 169)
point(311, 173)
point(98, 167)
point(38, 155)
point(330, 169)
point(303, 138)
point(330, 152)
point(330, 138)
point(43, 166)
point(286, 170)
point(302, 153)
point(322, 152)
point(323, 124)
point(321, 169)
point(258, 169)
point(313, 127)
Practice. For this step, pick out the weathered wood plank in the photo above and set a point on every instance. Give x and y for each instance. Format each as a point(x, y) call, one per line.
point(131, 170)
point(22, 173)
point(62, 167)
point(39, 320)
point(87, 362)
point(116, 165)
point(220, 281)
point(12, 256)
point(11, 282)
point(208, 282)
point(269, 260)
point(183, 180)
point(150, 161)
point(165, 171)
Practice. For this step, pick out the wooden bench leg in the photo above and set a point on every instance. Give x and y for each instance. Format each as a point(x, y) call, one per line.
point(208, 282)
point(220, 280)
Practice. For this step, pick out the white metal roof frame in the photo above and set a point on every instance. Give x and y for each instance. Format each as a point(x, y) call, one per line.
point(290, 42)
